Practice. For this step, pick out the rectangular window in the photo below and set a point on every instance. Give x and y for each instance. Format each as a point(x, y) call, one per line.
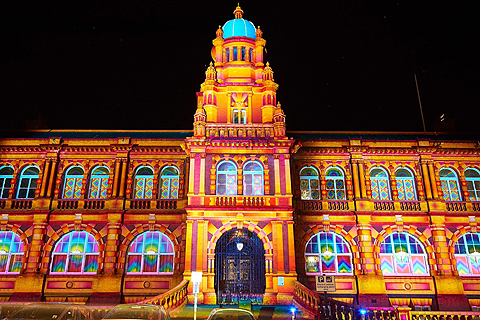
point(227, 54)
point(243, 53)
point(235, 53)
point(251, 55)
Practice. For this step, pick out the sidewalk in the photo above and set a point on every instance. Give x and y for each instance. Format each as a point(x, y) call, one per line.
point(260, 312)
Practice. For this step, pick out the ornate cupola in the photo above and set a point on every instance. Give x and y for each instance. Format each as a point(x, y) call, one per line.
point(279, 122)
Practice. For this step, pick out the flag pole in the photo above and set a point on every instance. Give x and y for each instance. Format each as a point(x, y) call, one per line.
point(420, 103)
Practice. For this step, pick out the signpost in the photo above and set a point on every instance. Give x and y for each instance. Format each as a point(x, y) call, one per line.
point(196, 280)
point(325, 284)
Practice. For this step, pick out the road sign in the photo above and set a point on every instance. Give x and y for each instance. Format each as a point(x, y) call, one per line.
point(325, 283)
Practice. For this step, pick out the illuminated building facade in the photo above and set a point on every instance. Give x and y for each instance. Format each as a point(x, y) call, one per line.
point(117, 216)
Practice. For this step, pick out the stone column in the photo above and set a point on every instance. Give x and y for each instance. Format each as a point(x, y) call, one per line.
point(356, 182)
point(38, 241)
point(123, 178)
point(365, 245)
point(362, 179)
point(45, 177)
point(111, 246)
point(115, 178)
point(426, 179)
point(442, 255)
point(51, 181)
point(433, 180)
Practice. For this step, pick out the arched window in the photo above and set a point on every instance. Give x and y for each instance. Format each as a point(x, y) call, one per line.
point(73, 183)
point(6, 176)
point(151, 252)
point(335, 184)
point(11, 252)
point(467, 254)
point(76, 252)
point(28, 183)
point(402, 254)
point(170, 183)
point(143, 183)
point(405, 185)
point(327, 253)
point(309, 185)
point(472, 177)
point(253, 179)
point(450, 187)
point(99, 183)
point(226, 179)
point(380, 184)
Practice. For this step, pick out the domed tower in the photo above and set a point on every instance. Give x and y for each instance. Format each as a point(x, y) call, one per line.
point(239, 92)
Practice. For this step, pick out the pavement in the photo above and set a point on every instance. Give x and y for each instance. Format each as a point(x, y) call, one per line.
point(260, 312)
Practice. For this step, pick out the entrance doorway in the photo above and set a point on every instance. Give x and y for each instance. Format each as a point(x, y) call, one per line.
point(239, 267)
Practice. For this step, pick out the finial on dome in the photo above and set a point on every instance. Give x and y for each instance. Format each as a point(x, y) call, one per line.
point(238, 12)
point(267, 73)
point(259, 33)
point(211, 73)
point(219, 32)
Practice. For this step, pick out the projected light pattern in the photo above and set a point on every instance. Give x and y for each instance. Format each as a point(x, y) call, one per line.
point(151, 253)
point(227, 179)
point(380, 186)
point(467, 254)
point(76, 253)
point(73, 183)
point(450, 186)
point(309, 184)
point(11, 252)
point(335, 184)
point(170, 183)
point(405, 185)
point(143, 184)
point(402, 254)
point(99, 183)
point(253, 179)
point(327, 252)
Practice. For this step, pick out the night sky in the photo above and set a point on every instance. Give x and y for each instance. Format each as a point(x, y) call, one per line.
point(341, 65)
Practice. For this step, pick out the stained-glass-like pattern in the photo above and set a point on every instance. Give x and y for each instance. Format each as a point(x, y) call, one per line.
point(380, 185)
point(405, 185)
point(76, 253)
point(11, 252)
point(28, 183)
point(151, 252)
point(226, 179)
point(143, 184)
point(335, 184)
point(309, 184)
point(472, 177)
point(99, 183)
point(253, 179)
point(73, 183)
point(239, 116)
point(450, 186)
point(170, 183)
point(327, 253)
point(467, 254)
point(402, 254)
point(6, 176)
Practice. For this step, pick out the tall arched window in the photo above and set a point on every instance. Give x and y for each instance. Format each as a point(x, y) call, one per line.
point(170, 182)
point(28, 183)
point(253, 179)
point(151, 252)
point(309, 185)
point(143, 186)
point(76, 252)
point(450, 187)
point(335, 184)
point(73, 183)
point(226, 179)
point(11, 252)
point(472, 177)
point(327, 253)
point(402, 254)
point(6, 176)
point(405, 185)
point(99, 183)
point(380, 184)
point(467, 254)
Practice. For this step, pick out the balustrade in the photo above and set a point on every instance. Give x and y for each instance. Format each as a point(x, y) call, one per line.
point(410, 206)
point(444, 315)
point(94, 204)
point(22, 204)
point(312, 205)
point(476, 206)
point(338, 205)
point(384, 205)
point(172, 298)
point(456, 206)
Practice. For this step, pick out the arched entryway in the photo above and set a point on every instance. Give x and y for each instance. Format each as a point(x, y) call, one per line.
point(239, 267)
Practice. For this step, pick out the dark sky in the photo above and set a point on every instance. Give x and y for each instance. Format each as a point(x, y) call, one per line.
point(341, 65)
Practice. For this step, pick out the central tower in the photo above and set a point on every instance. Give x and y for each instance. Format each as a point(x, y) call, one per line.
point(239, 213)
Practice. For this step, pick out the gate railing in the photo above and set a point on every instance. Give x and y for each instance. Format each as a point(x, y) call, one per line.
point(172, 298)
point(444, 315)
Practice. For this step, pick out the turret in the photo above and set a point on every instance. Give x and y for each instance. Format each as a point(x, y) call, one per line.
point(209, 94)
point(268, 102)
point(279, 126)
point(200, 119)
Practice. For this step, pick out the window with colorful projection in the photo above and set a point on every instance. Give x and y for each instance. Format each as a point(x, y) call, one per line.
point(335, 184)
point(6, 176)
point(309, 184)
point(99, 183)
point(11, 252)
point(405, 185)
point(402, 254)
point(253, 179)
point(170, 182)
point(76, 253)
point(327, 253)
point(151, 252)
point(240, 116)
point(472, 177)
point(143, 183)
point(28, 183)
point(467, 254)
point(380, 184)
point(450, 187)
point(226, 179)
point(73, 183)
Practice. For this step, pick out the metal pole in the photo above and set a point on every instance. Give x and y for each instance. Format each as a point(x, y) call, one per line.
point(327, 313)
point(195, 308)
point(420, 103)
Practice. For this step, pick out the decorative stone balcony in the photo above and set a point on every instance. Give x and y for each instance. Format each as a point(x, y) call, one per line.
point(154, 204)
point(237, 201)
point(239, 130)
point(327, 205)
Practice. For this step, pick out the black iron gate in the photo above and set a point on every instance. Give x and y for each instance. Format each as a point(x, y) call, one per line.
point(239, 267)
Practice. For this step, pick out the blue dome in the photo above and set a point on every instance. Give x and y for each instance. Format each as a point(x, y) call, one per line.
point(239, 28)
